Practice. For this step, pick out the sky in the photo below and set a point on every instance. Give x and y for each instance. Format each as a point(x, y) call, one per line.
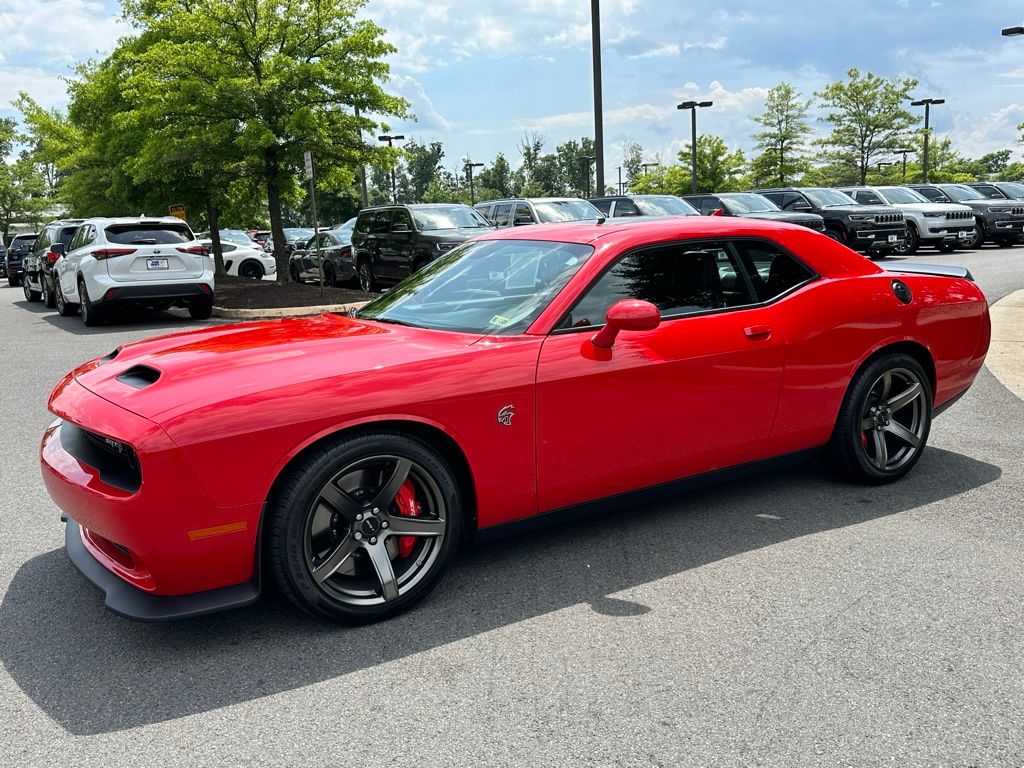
point(479, 75)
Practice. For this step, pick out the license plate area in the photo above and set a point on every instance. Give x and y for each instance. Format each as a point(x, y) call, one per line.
point(892, 238)
point(157, 264)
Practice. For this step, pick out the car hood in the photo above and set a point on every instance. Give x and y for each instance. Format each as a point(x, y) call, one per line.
point(860, 209)
point(932, 207)
point(788, 216)
point(194, 369)
point(460, 234)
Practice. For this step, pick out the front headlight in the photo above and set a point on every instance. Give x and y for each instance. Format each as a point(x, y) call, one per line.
point(1000, 210)
point(861, 217)
point(936, 215)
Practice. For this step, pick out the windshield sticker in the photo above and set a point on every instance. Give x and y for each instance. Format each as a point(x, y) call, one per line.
point(500, 320)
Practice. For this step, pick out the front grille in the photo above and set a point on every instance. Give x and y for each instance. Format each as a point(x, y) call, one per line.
point(959, 215)
point(1015, 210)
point(888, 218)
point(116, 462)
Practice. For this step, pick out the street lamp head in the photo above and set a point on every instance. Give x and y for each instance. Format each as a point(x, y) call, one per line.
point(705, 104)
point(925, 102)
point(473, 165)
point(1013, 31)
point(694, 104)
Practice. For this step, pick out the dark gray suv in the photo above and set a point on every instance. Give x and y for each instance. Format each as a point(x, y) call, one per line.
point(391, 242)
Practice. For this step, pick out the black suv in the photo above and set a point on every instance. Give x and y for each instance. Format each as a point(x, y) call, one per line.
point(876, 230)
point(51, 244)
point(391, 242)
point(14, 255)
point(750, 206)
point(998, 221)
point(999, 190)
point(643, 205)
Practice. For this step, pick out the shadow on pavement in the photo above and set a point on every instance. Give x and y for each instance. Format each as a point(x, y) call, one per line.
point(93, 672)
point(125, 318)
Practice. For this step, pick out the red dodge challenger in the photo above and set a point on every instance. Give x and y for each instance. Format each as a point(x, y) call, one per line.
point(520, 379)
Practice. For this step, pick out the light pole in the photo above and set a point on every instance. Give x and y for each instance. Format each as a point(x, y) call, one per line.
point(389, 140)
point(586, 160)
point(645, 166)
point(882, 164)
point(472, 191)
point(693, 106)
point(927, 104)
point(903, 152)
point(1013, 32)
point(362, 167)
point(595, 30)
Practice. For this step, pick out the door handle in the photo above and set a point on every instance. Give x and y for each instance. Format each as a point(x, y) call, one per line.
point(758, 331)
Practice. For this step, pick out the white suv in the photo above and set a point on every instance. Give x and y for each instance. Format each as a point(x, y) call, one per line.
point(155, 262)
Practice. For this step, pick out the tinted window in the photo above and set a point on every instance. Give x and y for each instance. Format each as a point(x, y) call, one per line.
point(604, 206)
point(626, 208)
point(709, 205)
point(772, 271)
point(931, 193)
point(66, 233)
point(776, 197)
point(363, 222)
point(868, 198)
point(45, 238)
point(989, 191)
point(664, 205)
point(381, 222)
point(501, 214)
point(148, 234)
point(78, 239)
point(678, 279)
point(523, 213)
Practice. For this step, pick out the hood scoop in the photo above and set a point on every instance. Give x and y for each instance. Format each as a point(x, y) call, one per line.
point(139, 376)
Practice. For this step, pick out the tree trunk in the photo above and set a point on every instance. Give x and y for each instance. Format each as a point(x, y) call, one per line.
point(213, 222)
point(272, 170)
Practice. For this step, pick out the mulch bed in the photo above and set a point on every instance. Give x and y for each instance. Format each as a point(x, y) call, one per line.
point(240, 293)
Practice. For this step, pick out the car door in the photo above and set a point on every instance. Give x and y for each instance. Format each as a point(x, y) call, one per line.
point(68, 264)
point(396, 253)
point(696, 394)
point(502, 215)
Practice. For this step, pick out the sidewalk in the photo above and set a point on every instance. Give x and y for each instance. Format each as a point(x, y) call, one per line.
point(1006, 353)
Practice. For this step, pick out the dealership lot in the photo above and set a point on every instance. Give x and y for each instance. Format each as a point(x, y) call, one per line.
point(789, 620)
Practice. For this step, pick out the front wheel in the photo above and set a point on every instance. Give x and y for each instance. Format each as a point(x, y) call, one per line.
point(251, 270)
point(363, 528)
point(30, 295)
point(92, 315)
point(49, 300)
point(976, 240)
point(910, 245)
point(884, 420)
point(367, 280)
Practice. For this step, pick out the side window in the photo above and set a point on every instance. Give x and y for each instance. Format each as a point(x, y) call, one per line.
point(401, 216)
point(604, 206)
point(790, 200)
point(380, 223)
point(501, 214)
point(362, 225)
point(626, 208)
point(709, 205)
point(931, 193)
point(77, 239)
point(679, 279)
point(226, 247)
point(523, 214)
point(776, 197)
point(45, 238)
point(989, 191)
point(868, 198)
point(772, 271)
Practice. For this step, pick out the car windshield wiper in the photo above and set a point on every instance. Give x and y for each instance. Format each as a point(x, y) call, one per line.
point(144, 241)
point(394, 322)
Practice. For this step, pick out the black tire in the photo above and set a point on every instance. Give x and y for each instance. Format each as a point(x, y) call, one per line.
point(367, 279)
point(201, 309)
point(836, 233)
point(304, 532)
point(855, 449)
point(251, 270)
point(977, 240)
point(294, 274)
point(13, 281)
point(30, 295)
point(911, 244)
point(64, 308)
point(330, 279)
point(92, 315)
point(1006, 242)
point(946, 247)
point(49, 299)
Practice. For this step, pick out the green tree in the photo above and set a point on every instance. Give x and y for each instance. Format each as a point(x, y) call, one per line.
point(632, 160)
point(497, 177)
point(868, 120)
point(575, 169)
point(289, 74)
point(423, 162)
point(782, 143)
point(22, 186)
point(718, 169)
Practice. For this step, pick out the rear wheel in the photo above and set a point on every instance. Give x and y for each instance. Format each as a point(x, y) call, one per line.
point(367, 280)
point(30, 295)
point(293, 272)
point(92, 315)
point(13, 281)
point(363, 528)
point(884, 420)
point(201, 309)
point(251, 270)
point(977, 239)
point(49, 300)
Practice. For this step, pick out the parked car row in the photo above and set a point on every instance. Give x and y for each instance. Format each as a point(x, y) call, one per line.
point(92, 266)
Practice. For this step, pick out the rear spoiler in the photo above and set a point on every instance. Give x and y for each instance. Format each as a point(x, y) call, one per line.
point(942, 270)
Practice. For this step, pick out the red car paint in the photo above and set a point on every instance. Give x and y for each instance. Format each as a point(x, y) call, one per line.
point(234, 404)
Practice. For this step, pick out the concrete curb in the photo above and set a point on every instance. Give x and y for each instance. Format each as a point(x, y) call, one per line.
point(1006, 352)
point(271, 314)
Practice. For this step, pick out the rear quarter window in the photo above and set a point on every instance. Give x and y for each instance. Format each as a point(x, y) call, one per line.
point(148, 234)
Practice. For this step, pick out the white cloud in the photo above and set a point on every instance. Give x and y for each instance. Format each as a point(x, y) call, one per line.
point(412, 91)
point(669, 49)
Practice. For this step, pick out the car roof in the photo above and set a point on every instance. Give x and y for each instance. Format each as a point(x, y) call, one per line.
point(534, 200)
point(113, 220)
point(24, 234)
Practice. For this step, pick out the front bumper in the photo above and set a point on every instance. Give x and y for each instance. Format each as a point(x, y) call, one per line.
point(1003, 226)
point(879, 238)
point(942, 232)
point(160, 538)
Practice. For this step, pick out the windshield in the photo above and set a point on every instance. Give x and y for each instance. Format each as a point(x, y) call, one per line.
point(959, 193)
point(448, 217)
point(236, 236)
point(297, 233)
point(148, 234)
point(549, 211)
point(901, 196)
point(825, 198)
point(485, 287)
point(748, 203)
point(664, 205)
point(1015, 191)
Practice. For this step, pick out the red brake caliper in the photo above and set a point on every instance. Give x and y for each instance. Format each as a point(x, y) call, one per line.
point(407, 505)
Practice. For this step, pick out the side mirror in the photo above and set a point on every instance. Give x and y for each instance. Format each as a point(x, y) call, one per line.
point(627, 315)
point(800, 205)
point(59, 248)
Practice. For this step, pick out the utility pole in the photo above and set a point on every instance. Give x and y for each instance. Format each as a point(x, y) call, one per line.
point(595, 30)
point(927, 104)
point(389, 140)
point(468, 167)
point(903, 152)
point(693, 106)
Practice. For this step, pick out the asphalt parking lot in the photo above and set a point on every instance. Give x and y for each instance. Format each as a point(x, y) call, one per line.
point(789, 620)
